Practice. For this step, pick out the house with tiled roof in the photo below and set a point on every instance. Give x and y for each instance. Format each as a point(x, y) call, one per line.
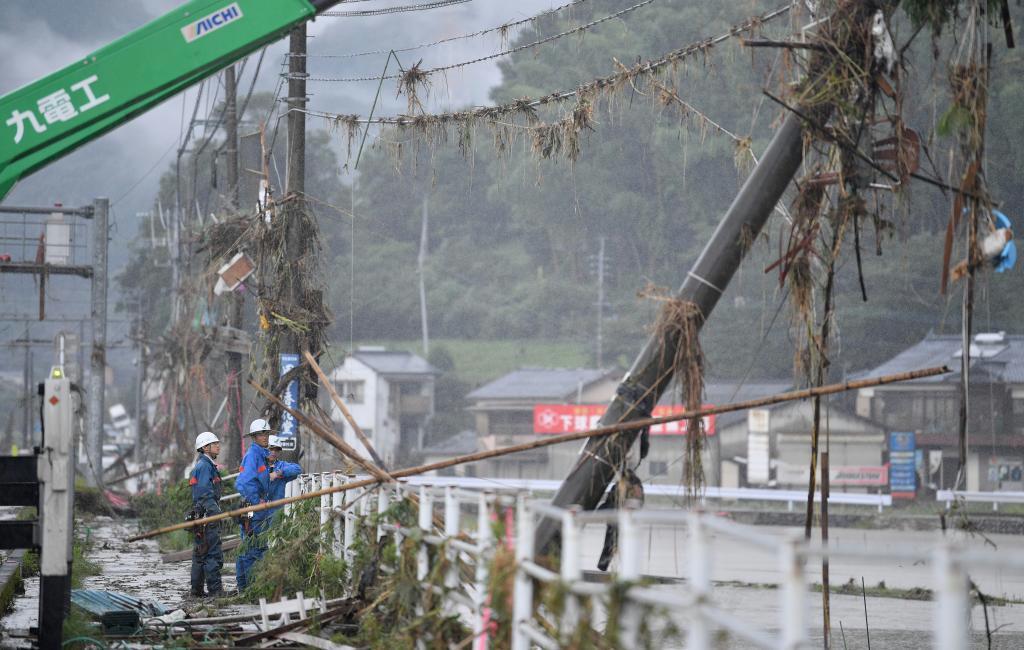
point(930, 408)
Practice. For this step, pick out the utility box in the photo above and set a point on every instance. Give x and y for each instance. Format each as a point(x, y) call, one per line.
point(58, 240)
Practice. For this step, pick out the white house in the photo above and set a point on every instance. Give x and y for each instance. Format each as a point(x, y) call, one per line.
point(391, 397)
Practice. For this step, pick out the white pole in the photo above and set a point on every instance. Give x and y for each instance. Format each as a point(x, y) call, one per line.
point(337, 513)
point(699, 635)
point(951, 607)
point(325, 503)
point(451, 530)
point(350, 520)
point(425, 518)
point(382, 507)
point(483, 545)
point(571, 571)
point(630, 555)
point(794, 623)
point(522, 595)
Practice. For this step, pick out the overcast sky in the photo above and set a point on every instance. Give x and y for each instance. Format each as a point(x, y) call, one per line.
point(40, 36)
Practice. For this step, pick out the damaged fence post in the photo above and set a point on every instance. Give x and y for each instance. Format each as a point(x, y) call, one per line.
point(483, 543)
point(337, 513)
point(522, 596)
point(699, 634)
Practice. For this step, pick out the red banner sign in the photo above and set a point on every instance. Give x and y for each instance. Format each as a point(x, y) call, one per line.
point(572, 418)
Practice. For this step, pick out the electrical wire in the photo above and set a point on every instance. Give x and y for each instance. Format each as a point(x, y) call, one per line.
point(508, 52)
point(502, 28)
point(492, 112)
point(394, 10)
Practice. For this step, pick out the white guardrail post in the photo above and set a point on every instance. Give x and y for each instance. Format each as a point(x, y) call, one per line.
point(425, 524)
point(483, 545)
point(522, 594)
point(951, 609)
point(337, 513)
point(349, 519)
point(571, 570)
point(630, 556)
point(699, 634)
point(794, 596)
point(451, 531)
point(382, 507)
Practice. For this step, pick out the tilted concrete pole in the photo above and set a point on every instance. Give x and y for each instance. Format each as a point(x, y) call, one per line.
point(703, 286)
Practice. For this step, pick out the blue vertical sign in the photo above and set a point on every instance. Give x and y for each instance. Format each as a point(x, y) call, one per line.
point(289, 427)
point(902, 464)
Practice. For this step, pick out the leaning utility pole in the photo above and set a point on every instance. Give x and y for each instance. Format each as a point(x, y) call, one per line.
point(236, 301)
point(705, 283)
point(296, 188)
point(97, 377)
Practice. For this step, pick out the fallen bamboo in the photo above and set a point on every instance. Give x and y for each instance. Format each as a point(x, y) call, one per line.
point(344, 409)
point(329, 436)
point(568, 437)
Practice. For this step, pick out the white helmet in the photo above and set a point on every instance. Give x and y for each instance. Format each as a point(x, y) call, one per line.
point(259, 425)
point(205, 438)
point(276, 441)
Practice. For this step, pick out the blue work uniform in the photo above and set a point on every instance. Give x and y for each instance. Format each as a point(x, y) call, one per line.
point(207, 555)
point(277, 486)
point(253, 483)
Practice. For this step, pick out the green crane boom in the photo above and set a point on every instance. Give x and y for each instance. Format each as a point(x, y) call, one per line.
point(53, 116)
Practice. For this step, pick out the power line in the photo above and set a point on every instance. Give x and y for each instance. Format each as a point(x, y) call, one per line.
point(518, 48)
point(501, 110)
point(500, 28)
point(394, 10)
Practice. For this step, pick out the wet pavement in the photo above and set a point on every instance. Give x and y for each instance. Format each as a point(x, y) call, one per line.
point(132, 568)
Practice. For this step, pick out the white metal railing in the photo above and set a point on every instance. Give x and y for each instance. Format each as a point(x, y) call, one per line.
point(791, 497)
point(695, 610)
point(995, 498)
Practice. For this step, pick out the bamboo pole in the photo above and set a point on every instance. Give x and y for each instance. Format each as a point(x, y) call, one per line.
point(568, 437)
point(344, 410)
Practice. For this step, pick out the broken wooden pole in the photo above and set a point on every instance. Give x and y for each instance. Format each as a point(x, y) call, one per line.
point(568, 437)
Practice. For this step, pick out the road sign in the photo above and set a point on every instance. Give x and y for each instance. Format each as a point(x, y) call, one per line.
point(902, 464)
point(289, 427)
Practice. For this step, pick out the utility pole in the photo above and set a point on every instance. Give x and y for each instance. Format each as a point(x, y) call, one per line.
point(421, 261)
point(233, 441)
point(600, 302)
point(651, 372)
point(296, 188)
point(98, 361)
point(26, 441)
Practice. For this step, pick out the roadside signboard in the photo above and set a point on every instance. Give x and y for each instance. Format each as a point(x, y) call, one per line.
point(572, 418)
point(902, 464)
point(289, 427)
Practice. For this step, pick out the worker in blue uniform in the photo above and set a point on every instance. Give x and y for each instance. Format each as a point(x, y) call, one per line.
point(205, 481)
point(281, 471)
point(253, 483)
